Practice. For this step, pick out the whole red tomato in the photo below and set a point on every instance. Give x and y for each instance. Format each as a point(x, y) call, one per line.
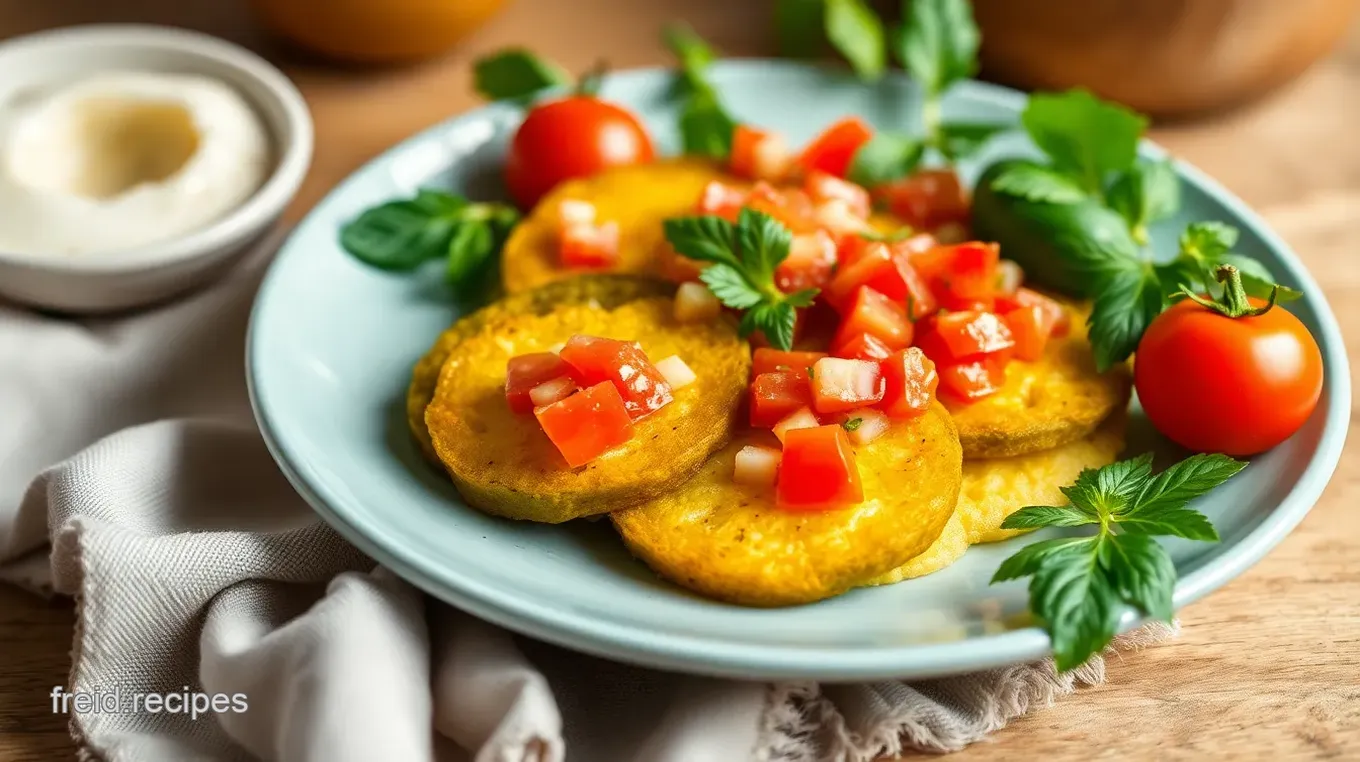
point(1235, 385)
point(571, 137)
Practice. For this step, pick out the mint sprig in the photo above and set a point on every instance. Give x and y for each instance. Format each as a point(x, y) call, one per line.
point(1079, 586)
point(743, 259)
point(706, 127)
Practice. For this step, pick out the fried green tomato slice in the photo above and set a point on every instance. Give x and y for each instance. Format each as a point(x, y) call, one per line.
point(729, 541)
point(997, 487)
point(503, 463)
point(607, 290)
point(638, 198)
point(1057, 399)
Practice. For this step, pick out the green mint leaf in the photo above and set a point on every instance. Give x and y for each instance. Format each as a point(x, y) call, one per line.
point(1075, 597)
point(1147, 192)
point(1036, 516)
point(1027, 560)
point(1207, 241)
point(1142, 573)
point(1125, 304)
point(1035, 182)
point(1169, 521)
point(1083, 135)
point(799, 27)
point(400, 235)
point(856, 32)
point(693, 52)
point(516, 73)
point(1124, 479)
point(1186, 480)
point(706, 238)
point(803, 298)
point(1204, 245)
point(886, 157)
point(852, 424)
point(938, 43)
point(706, 128)
point(763, 242)
point(730, 286)
point(960, 140)
point(774, 320)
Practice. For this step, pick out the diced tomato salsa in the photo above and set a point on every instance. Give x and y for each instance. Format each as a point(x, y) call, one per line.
point(767, 360)
point(927, 199)
point(833, 150)
point(524, 372)
point(776, 394)
point(817, 470)
point(587, 424)
point(623, 364)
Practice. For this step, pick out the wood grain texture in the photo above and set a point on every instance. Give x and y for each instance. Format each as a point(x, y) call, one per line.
point(1266, 668)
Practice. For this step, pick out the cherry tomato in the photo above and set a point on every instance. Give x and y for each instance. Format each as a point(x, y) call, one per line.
point(817, 471)
point(834, 149)
point(1238, 386)
point(571, 137)
point(587, 424)
point(623, 364)
point(910, 381)
point(524, 372)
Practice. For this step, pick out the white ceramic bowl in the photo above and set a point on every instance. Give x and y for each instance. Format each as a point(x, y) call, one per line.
point(135, 277)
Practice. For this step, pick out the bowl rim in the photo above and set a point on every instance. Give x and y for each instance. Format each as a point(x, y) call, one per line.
point(293, 139)
point(700, 653)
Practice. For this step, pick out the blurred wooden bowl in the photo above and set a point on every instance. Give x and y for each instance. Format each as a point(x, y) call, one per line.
point(375, 31)
point(1168, 58)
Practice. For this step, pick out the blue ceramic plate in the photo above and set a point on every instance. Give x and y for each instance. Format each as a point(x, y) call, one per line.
point(332, 343)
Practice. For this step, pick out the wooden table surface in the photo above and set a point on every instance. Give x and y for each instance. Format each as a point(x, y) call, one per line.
point(1267, 667)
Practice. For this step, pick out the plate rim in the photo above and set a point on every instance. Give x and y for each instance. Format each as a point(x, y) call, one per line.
point(713, 656)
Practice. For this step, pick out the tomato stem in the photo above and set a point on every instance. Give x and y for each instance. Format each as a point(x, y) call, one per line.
point(1234, 302)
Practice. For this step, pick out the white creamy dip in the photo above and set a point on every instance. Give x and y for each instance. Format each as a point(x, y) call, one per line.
point(121, 160)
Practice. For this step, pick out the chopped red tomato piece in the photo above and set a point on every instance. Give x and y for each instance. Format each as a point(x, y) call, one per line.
point(833, 150)
point(623, 364)
point(886, 271)
point(768, 360)
point(973, 333)
point(590, 245)
point(824, 187)
point(524, 372)
point(873, 313)
point(791, 206)
point(758, 154)
point(676, 267)
point(721, 200)
point(926, 199)
point(811, 260)
point(962, 273)
point(817, 471)
point(863, 346)
point(775, 395)
point(909, 381)
point(1024, 297)
point(1031, 326)
point(587, 424)
point(973, 380)
point(840, 384)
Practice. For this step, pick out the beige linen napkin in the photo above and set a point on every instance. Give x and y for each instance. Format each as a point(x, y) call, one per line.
point(132, 478)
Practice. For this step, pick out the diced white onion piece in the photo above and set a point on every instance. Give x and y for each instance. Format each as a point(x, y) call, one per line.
point(771, 157)
point(813, 248)
point(872, 425)
point(756, 466)
point(839, 378)
point(1009, 276)
point(802, 418)
point(676, 372)
point(838, 217)
point(552, 391)
point(951, 233)
point(572, 212)
point(694, 303)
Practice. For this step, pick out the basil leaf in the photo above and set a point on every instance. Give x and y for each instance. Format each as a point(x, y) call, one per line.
point(1126, 302)
point(886, 157)
point(1147, 192)
point(471, 245)
point(799, 27)
point(516, 73)
point(856, 32)
point(1035, 182)
point(938, 43)
point(400, 235)
point(1083, 135)
point(693, 52)
point(958, 140)
point(1141, 572)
